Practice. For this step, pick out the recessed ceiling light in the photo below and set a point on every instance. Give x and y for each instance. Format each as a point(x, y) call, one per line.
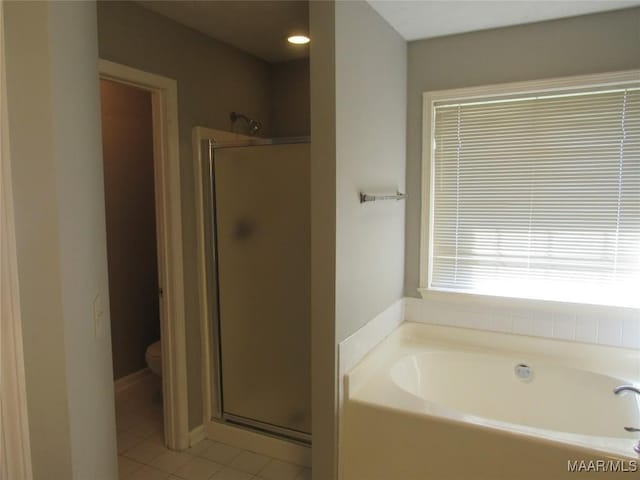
point(298, 39)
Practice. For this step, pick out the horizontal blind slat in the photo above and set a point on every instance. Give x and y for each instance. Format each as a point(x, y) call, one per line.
point(537, 190)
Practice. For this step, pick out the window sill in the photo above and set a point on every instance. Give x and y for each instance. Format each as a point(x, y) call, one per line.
point(495, 301)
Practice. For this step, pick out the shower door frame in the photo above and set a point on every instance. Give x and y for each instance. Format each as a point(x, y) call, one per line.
point(166, 165)
point(218, 424)
point(211, 405)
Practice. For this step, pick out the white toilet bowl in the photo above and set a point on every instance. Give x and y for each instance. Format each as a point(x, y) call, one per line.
point(154, 358)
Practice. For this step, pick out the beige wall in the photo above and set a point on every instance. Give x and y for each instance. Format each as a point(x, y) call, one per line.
point(290, 115)
point(596, 43)
point(371, 64)
point(358, 113)
point(213, 80)
point(323, 240)
point(54, 129)
point(127, 136)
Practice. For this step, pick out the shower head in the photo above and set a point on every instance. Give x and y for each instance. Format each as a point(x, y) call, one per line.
point(254, 126)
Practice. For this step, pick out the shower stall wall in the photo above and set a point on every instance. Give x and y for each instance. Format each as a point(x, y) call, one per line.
point(259, 277)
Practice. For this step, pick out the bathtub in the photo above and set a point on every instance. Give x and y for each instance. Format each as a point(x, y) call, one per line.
point(434, 402)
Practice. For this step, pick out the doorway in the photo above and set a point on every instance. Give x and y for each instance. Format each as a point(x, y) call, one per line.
point(144, 243)
point(128, 164)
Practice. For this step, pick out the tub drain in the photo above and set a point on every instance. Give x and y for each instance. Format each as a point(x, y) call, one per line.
point(524, 372)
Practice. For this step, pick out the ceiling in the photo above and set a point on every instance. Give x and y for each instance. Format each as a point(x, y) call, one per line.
point(260, 28)
point(425, 19)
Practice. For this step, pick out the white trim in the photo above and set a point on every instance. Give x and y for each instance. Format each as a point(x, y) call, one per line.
point(130, 380)
point(504, 89)
point(197, 435)
point(535, 86)
point(259, 443)
point(519, 304)
point(15, 450)
point(209, 400)
point(164, 94)
point(425, 185)
point(198, 175)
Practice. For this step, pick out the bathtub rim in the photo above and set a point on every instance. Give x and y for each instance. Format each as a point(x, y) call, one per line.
point(411, 338)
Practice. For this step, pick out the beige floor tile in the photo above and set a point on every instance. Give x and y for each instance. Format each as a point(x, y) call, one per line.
point(157, 437)
point(279, 470)
point(249, 462)
point(125, 419)
point(146, 428)
point(145, 451)
point(170, 461)
point(126, 467)
point(200, 447)
point(140, 395)
point(221, 453)
point(305, 474)
point(127, 440)
point(198, 469)
point(229, 473)
point(148, 473)
point(140, 436)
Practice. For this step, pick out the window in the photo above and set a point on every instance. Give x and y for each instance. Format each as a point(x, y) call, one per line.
point(535, 193)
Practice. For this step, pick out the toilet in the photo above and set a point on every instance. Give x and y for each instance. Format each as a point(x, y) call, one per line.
point(153, 357)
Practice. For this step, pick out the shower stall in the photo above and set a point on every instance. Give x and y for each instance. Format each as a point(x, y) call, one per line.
point(257, 235)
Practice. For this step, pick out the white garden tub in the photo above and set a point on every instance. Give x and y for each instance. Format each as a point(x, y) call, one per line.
point(449, 403)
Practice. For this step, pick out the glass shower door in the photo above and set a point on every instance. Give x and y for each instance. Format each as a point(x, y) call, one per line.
point(262, 204)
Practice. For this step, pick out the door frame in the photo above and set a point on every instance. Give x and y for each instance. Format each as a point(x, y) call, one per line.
point(166, 162)
point(210, 404)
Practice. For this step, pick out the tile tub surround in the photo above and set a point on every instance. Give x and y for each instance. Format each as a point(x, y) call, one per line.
point(143, 456)
point(600, 325)
point(355, 347)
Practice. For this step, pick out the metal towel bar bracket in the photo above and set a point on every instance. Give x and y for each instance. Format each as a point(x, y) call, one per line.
point(365, 197)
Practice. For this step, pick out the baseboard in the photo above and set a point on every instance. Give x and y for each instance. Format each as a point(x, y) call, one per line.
point(125, 382)
point(196, 435)
point(256, 442)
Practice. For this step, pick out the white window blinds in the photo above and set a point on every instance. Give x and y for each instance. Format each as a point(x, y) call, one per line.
point(538, 197)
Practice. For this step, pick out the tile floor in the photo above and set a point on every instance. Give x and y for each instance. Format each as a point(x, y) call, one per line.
point(143, 456)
